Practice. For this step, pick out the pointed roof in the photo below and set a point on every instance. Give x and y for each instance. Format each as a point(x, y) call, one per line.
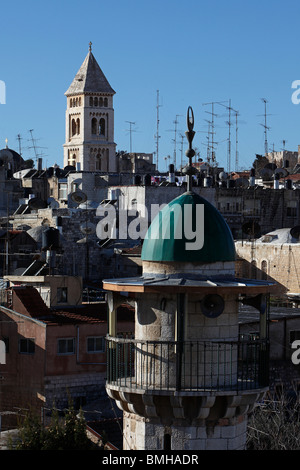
point(89, 78)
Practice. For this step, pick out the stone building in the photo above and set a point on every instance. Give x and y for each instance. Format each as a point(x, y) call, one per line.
point(89, 143)
point(276, 256)
point(52, 353)
point(184, 382)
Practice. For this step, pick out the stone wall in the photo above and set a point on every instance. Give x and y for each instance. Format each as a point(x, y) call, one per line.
point(141, 434)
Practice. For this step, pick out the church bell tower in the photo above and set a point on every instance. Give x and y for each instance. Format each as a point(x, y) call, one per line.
point(89, 144)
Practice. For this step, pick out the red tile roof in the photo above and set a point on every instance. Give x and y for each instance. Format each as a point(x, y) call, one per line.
point(35, 307)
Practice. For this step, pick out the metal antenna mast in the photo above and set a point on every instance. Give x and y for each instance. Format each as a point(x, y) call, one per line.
point(211, 130)
point(20, 148)
point(229, 133)
point(175, 140)
point(130, 133)
point(236, 142)
point(265, 126)
point(157, 127)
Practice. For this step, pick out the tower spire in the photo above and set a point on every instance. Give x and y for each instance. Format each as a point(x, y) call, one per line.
point(90, 46)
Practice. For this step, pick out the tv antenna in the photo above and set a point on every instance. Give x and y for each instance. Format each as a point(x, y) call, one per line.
point(34, 145)
point(130, 130)
point(175, 139)
point(266, 128)
point(20, 147)
point(157, 136)
point(229, 122)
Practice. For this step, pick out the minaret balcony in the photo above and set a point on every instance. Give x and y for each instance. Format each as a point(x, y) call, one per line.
point(187, 367)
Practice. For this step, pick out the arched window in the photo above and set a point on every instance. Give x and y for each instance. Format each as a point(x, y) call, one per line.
point(264, 269)
point(73, 127)
point(94, 126)
point(98, 162)
point(79, 101)
point(102, 126)
point(76, 101)
point(253, 270)
point(101, 102)
point(78, 126)
point(91, 101)
point(96, 101)
point(105, 102)
point(71, 103)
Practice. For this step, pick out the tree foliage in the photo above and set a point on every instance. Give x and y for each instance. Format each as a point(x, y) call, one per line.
point(67, 433)
point(275, 424)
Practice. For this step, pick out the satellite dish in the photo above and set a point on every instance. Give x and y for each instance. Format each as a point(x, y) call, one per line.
point(295, 231)
point(282, 172)
point(212, 305)
point(78, 197)
point(88, 228)
point(37, 203)
point(271, 166)
point(242, 182)
point(251, 228)
point(52, 203)
point(223, 175)
point(266, 173)
point(69, 168)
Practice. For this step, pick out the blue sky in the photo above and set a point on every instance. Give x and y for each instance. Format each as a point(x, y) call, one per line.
point(192, 52)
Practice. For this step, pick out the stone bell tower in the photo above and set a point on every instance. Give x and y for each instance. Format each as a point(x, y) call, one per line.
point(186, 381)
point(89, 144)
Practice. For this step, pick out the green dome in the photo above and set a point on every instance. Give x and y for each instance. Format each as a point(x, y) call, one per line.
point(167, 238)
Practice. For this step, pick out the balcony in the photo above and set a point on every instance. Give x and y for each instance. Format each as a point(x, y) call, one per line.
point(189, 367)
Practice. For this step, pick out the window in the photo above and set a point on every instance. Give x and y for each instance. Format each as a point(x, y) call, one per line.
point(63, 191)
point(102, 127)
point(5, 340)
point(94, 126)
point(96, 101)
point(91, 101)
point(62, 294)
point(95, 344)
point(291, 210)
point(98, 162)
point(26, 346)
point(78, 126)
point(73, 127)
point(66, 346)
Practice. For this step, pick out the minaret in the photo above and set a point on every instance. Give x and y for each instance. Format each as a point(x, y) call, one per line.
point(187, 381)
point(89, 144)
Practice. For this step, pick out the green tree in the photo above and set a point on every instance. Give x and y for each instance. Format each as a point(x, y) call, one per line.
point(63, 433)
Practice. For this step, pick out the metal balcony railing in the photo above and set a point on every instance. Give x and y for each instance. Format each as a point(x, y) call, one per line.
point(188, 365)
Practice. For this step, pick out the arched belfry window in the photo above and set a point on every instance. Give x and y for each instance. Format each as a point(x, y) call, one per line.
point(101, 102)
point(96, 101)
point(91, 101)
point(78, 126)
point(94, 126)
point(73, 127)
point(98, 162)
point(102, 126)
point(105, 102)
